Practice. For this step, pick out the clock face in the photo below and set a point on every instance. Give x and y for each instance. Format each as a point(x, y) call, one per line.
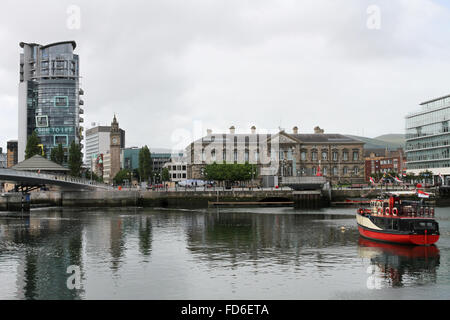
point(114, 140)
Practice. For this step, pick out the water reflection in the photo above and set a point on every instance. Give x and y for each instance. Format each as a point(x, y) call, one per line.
point(248, 237)
point(210, 254)
point(46, 247)
point(399, 265)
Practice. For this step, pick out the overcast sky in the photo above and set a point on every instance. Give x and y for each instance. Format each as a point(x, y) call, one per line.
point(167, 67)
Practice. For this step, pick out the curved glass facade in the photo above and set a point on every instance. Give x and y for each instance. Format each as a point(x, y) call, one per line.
point(50, 81)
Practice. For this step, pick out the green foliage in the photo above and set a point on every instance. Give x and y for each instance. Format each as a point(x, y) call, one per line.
point(230, 172)
point(122, 175)
point(165, 175)
point(57, 154)
point(33, 147)
point(145, 164)
point(95, 177)
point(75, 160)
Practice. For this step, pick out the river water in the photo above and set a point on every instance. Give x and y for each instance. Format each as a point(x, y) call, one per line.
point(251, 253)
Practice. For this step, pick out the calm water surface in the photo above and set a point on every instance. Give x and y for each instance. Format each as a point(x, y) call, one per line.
point(260, 253)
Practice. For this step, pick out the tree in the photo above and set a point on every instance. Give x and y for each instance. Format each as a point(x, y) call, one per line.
point(33, 148)
point(57, 154)
point(145, 163)
point(165, 175)
point(122, 175)
point(75, 160)
point(230, 172)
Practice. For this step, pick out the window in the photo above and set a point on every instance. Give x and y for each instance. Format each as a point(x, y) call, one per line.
point(213, 155)
point(324, 155)
point(324, 171)
point(345, 155)
point(246, 156)
point(235, 155)
point(355, 155)
point(314, 155)
point(335, 171)
point(303, 155)
point(60, 140)
point(335, 155)
point(61, 101)
point(41, 121)
point(345, 171)
point(314, 171)
point(355, 170)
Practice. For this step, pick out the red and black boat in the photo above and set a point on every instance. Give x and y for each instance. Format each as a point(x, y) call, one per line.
point(392, 219)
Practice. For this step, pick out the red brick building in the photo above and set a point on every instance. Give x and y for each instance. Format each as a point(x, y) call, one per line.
point(381, 161)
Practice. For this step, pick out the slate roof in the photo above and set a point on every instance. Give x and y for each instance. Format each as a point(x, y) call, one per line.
point(38, 162)
point(324, 138)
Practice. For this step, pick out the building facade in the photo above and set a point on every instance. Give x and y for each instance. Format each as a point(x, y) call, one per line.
point(337, 157)
point(3, 159)
point(50, 96)
point(428, 138)
point(384, 161)
point(98, 142)
point(129, 159)
point(177, 168)
point(11, 153)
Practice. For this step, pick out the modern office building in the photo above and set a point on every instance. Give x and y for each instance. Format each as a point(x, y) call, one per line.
point(428, 138)
point(49, 96)
point(12, 153)
point(98, 142)
point(129, 159)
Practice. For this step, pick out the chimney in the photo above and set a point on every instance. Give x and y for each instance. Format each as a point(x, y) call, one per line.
point(208, 132)
point(318, 130)
point(232, 130)
point(295, 130)
point(253, 128)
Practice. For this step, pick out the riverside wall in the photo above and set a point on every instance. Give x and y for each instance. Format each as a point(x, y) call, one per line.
point(179, 199)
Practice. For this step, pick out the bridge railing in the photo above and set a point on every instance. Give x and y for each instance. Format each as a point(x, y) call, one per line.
point(52, 177)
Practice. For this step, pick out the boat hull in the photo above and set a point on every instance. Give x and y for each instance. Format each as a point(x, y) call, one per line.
point(369, 230)
point(401, 238)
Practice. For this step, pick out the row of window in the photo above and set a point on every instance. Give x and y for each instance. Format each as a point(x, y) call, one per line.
point(334, 171)
point(436, 154)
point(334, 155)
point(303, 155)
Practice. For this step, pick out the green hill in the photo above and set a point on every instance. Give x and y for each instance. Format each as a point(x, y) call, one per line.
point(395, 138)
point(375, 143)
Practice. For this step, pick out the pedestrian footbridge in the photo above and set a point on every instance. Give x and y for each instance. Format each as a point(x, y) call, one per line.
point(34, 179)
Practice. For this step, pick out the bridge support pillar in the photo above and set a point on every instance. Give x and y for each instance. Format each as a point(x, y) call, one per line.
point(308, 199)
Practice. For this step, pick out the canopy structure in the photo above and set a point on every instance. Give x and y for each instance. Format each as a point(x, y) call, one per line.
point(40, 164)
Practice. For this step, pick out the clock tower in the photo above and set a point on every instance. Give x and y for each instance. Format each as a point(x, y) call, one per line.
point(114, 148)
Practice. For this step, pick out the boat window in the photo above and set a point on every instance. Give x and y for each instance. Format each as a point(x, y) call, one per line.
point(424, 225)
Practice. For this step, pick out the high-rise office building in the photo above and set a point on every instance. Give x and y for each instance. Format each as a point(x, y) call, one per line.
point(428, 138)
point(49, 96)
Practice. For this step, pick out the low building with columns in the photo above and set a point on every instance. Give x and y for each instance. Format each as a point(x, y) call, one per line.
point(337, 157)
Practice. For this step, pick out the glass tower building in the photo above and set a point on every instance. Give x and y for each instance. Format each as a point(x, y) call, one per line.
point(428, 138)
point(49, 96)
